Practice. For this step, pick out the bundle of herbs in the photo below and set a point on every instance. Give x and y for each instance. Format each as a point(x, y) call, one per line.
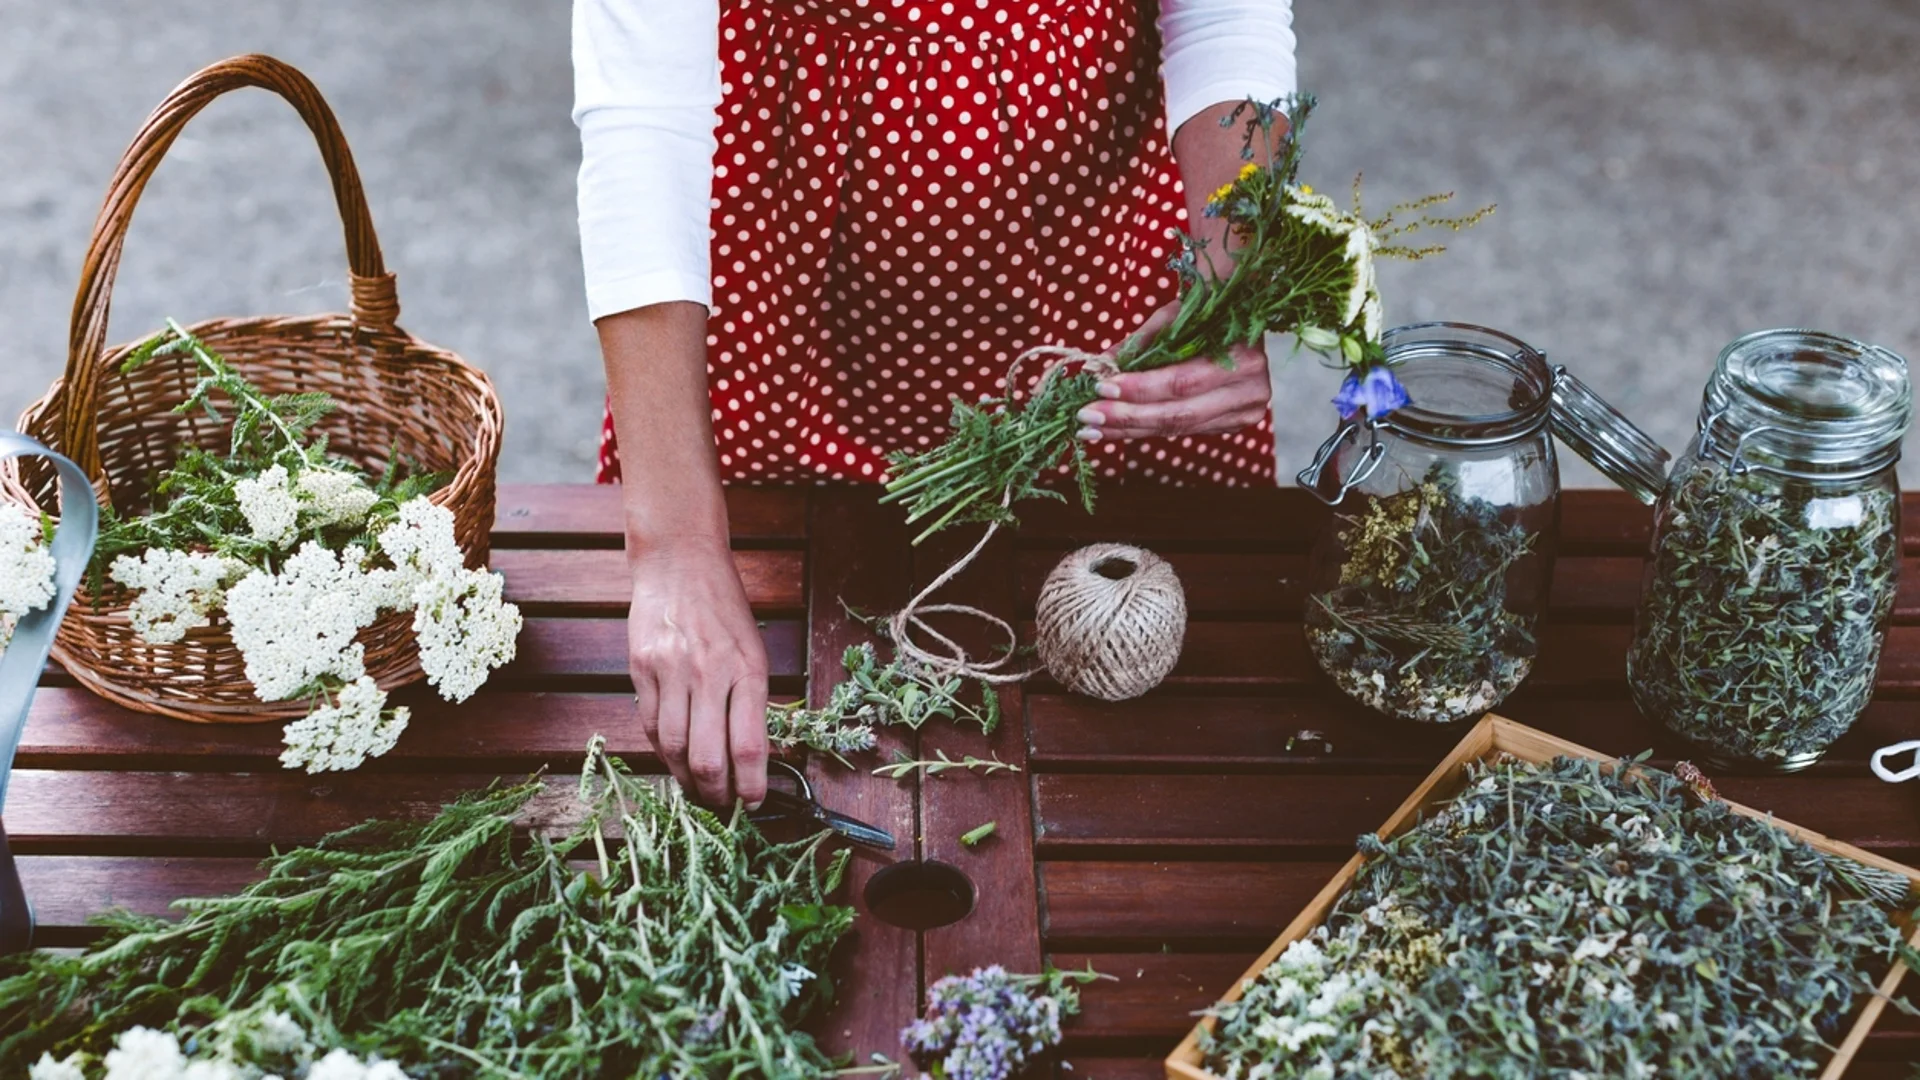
point(1417, 622)
point(1572, 920)
point(1766, 604)
point(650, 938)
point(1299, 266)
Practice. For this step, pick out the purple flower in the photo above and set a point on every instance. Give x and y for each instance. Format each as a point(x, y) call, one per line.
point(1378, 392)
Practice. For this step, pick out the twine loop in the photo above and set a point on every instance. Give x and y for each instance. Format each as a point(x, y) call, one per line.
point(944, 656)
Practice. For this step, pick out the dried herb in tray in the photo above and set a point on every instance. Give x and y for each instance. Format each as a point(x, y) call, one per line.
point(1568, 921)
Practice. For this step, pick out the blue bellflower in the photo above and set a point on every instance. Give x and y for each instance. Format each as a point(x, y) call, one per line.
point(1378, 392)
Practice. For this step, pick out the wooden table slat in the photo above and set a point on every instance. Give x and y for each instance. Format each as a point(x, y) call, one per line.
point(589, 515)
point(1004, 927)
point(547, 581)
point(860, 556)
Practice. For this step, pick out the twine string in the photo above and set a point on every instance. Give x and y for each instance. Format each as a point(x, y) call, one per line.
point(942, 655)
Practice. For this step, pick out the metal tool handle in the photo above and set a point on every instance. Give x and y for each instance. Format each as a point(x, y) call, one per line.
point(26, 654)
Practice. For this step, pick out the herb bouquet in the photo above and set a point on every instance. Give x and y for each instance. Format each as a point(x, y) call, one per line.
point(1302, 267)
point(1569, 917)
point(649, 938)
point(297, 553)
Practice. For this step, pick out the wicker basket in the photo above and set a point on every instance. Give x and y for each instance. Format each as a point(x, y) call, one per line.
point(396, 394)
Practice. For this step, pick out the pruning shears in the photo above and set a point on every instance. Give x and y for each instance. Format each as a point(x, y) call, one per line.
point(800, 805)
point(23, 657)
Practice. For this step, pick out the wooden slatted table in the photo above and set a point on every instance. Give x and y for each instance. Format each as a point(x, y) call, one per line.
point(1165, 841)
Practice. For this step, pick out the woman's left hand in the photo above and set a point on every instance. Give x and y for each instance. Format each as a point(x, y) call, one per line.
point(1195, 397)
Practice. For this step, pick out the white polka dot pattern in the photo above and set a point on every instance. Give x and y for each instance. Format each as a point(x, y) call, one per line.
point(908, 194)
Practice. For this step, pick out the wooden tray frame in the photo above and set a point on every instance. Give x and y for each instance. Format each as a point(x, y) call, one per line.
point(1495, 735)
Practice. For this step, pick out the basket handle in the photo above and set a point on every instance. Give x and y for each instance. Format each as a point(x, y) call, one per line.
point(375, 304)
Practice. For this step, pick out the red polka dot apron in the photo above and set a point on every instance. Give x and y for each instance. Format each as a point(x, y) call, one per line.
point(910, 193)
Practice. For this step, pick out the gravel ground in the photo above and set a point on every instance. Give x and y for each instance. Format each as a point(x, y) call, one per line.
point(1668, 176)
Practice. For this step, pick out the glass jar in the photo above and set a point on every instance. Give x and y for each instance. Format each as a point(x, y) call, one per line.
point(1426, 587)
point(1776, 552)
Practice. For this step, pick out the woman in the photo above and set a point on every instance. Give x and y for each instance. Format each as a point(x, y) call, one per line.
point(900, 196)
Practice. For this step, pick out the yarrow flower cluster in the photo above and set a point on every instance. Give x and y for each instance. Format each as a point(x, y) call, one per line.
point(256, 1044)
point(297, 624)
point(174, 590)
point(26, 568)
point(988, 1025)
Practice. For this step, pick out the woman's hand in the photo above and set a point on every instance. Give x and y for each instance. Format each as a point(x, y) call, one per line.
point(699, 667)
point(1196, 397)
point(699, 670)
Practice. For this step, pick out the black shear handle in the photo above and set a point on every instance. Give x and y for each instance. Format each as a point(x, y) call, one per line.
point(16, 918)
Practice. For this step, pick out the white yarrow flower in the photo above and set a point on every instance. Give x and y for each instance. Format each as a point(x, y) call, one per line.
point(213, 1070)
point(464, 628)
point(26, 568)
point(1360, 245)
point(271, 508)
point(334, 498)
point(276, 1032)
point(343, 735)
point(174, 590)
point(67, 1068)
point(141, 1053)
point(298, 626)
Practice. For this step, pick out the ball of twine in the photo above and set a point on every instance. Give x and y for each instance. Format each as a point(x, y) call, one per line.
point(1111, 620)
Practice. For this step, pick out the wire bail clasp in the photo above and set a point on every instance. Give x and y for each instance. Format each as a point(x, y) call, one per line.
point(1311, 477)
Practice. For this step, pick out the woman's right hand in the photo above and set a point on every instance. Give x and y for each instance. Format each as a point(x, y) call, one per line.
point(699, 669)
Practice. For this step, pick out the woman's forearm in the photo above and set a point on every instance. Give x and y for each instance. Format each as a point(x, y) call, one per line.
point(656, 359)
point(1209, 156)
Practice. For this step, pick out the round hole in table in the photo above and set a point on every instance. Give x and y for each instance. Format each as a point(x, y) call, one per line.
point(920, 895)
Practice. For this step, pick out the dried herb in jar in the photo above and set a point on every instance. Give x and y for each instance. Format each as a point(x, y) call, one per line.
point(1765, 608)
point(1418, 624)
point(1567, 920)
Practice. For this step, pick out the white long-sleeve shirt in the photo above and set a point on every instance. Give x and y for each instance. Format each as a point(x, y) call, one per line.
point(647, 95)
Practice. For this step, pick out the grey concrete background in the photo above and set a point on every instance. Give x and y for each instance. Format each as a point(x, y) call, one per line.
point(1670, 174)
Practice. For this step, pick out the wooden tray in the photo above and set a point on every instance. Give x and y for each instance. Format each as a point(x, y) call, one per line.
point(1498, 735)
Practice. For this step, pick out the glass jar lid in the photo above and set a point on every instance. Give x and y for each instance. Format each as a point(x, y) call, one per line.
point(1609, 441)
point(1805, 403)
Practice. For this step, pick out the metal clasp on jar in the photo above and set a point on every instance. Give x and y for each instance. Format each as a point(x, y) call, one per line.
point(1736, 464)
point(1310, 477)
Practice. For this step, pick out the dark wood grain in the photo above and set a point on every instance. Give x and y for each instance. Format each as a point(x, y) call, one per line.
point(549, 581)
point(590, 653)
point(589, 515)
point(1153, 905)
point(178, 813)
point(1170, 731)
point(1318, 813)
point(1004, 927)
point(860, 556)
point(67, 890)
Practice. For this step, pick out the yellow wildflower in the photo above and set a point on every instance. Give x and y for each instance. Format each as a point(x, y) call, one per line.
point(1221, 194)
point(1306, 189)
point(1248, 170)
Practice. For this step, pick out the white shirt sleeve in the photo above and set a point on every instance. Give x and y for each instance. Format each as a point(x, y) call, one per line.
point(646, 84)
point(1224, 50)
